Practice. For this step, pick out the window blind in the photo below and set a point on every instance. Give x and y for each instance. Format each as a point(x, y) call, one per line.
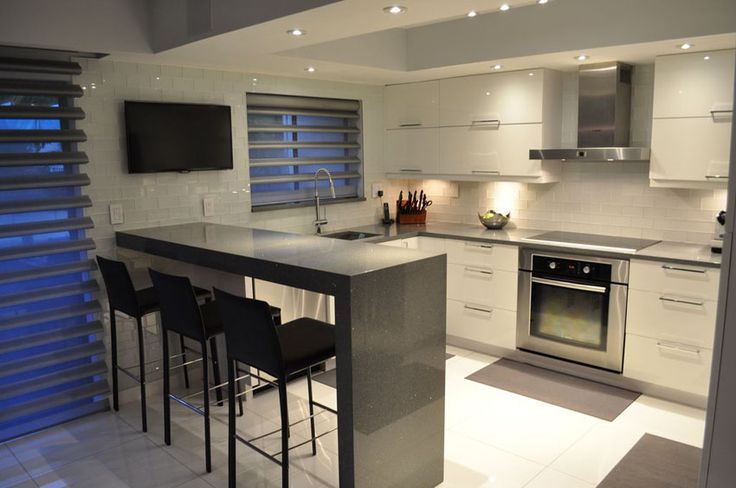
point(290, 138)
point(52, 357)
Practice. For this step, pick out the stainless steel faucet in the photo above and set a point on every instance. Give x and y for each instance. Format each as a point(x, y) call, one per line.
point(319, 221)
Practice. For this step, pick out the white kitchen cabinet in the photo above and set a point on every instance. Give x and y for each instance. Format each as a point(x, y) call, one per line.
point(693, 149)
point(486, 254)
point(412, 152)
point(506, 98)
point(411, 105)
point(670, 324)
point(481, 323)
point(692, 117)
point(482, 285)
point(688, 85)
point(422, 243)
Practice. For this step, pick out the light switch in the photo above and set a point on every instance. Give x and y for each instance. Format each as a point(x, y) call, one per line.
point(116, 214)
point(375, 188)
point(208, 205)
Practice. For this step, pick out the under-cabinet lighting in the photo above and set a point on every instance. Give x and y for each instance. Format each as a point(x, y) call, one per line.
point(504, 7)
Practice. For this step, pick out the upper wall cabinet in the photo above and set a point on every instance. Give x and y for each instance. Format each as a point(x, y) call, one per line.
point(506, 98)
point(412, 105)
point(689, 85)
point(692, 117)
point(486, 126)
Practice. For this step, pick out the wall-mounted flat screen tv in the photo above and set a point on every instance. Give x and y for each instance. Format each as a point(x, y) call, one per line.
point(177, 137)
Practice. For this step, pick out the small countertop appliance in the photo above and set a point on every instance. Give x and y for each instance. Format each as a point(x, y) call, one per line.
point(716, 245)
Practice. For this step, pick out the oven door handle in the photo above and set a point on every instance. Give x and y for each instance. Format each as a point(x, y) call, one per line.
point(571, 286)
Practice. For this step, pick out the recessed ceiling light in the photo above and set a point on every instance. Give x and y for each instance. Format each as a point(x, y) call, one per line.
point(472, 13)
point(497, 67)
point(531, 73)
point(685, 46)
point(542, 2)
point(395, 9)
point(296, 32)
point(504, 7)
point(311, 69)
point(706, 57)
point(581, 57)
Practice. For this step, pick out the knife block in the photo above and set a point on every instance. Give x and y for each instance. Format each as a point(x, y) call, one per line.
point(411, 218)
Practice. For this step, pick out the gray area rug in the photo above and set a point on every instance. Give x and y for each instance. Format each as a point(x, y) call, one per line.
point(655, 462)
point(584, 396)
point(329, 378)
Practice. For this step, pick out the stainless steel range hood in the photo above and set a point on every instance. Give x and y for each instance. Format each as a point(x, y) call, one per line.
point(604, 112)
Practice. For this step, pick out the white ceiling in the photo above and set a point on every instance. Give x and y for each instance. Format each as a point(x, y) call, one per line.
point(355, 41)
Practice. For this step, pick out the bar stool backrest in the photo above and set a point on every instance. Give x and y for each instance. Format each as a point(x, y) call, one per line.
point(119, 286)
point(179, 308)
point(250, 333)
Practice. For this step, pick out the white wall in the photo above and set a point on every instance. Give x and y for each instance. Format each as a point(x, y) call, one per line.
point(170, 198)
point(598, 198)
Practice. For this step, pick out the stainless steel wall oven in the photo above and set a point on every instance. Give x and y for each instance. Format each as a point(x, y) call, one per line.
point(573, 307)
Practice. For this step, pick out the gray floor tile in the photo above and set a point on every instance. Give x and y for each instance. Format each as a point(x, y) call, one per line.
point(12, 474)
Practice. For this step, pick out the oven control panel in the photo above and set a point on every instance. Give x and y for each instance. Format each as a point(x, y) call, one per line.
point(571, 268)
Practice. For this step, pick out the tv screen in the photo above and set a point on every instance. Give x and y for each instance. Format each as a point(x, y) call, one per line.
point(177, 137)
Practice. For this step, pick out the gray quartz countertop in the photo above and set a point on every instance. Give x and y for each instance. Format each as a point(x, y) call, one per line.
point(207, 241)
point(683, 253)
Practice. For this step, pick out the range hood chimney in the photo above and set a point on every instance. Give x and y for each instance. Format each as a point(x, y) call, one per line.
point(604, 113)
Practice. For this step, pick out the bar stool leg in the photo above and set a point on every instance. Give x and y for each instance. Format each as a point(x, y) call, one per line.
point(142, 369)
point(114, 359)
point(205, 385)
point(216, 369)
point(231, 444)
point(284, 433)
point(167, 388)
point(184, 360)
point(311, 410)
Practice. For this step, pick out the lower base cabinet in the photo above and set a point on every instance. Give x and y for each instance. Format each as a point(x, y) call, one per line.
point(667, 363)
point(481, 323)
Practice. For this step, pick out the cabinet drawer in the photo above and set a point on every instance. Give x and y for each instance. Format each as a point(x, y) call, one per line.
point(481, 323)
point(482, 285)
point(672, 318)
point(496, 256)
point(678, 279)
point(679, 366)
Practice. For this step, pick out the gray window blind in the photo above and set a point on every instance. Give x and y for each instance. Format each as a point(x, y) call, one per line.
point(52, 356)
point(290, 138)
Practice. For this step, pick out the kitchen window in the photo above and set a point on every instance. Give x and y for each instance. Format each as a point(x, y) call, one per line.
point(290, 138)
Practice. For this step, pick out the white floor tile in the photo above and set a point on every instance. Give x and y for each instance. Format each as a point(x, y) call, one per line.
point(12, 473)
point(135, 464)
point(69, 442)
point(195, 483)
point(549, 478)
point(473, 464)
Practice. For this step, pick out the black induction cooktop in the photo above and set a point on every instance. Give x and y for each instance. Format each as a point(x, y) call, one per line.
point(592, 241)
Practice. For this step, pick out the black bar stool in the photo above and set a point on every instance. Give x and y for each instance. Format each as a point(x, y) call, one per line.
point(124, 298)
point(180, 313)
point(253, 339)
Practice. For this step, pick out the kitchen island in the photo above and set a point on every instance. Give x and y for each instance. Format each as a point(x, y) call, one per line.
point(390, 332)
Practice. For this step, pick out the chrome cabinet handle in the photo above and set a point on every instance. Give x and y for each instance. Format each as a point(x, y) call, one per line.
point(497, 122)
point(679, 349)
point(410, 170)
point(481, 246)
point(713, 113)
point(571, 286)
point(716, 177)
point(669, 267)
point(479, 271)
point(683, 301)
point(477, 309)
point(416, 124)
point(485, 172)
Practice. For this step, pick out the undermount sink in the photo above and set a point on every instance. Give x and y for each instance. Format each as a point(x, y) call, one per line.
point(350, 235)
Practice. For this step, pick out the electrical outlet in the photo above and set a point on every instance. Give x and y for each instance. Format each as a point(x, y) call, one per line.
point(208, 205)
point(375, 188)
point(116, 214)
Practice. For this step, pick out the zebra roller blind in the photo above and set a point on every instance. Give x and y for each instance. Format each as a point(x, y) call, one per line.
point(52, 358)
point(290, 138)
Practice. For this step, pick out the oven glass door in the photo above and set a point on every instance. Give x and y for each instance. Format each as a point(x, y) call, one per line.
point(573, 313)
